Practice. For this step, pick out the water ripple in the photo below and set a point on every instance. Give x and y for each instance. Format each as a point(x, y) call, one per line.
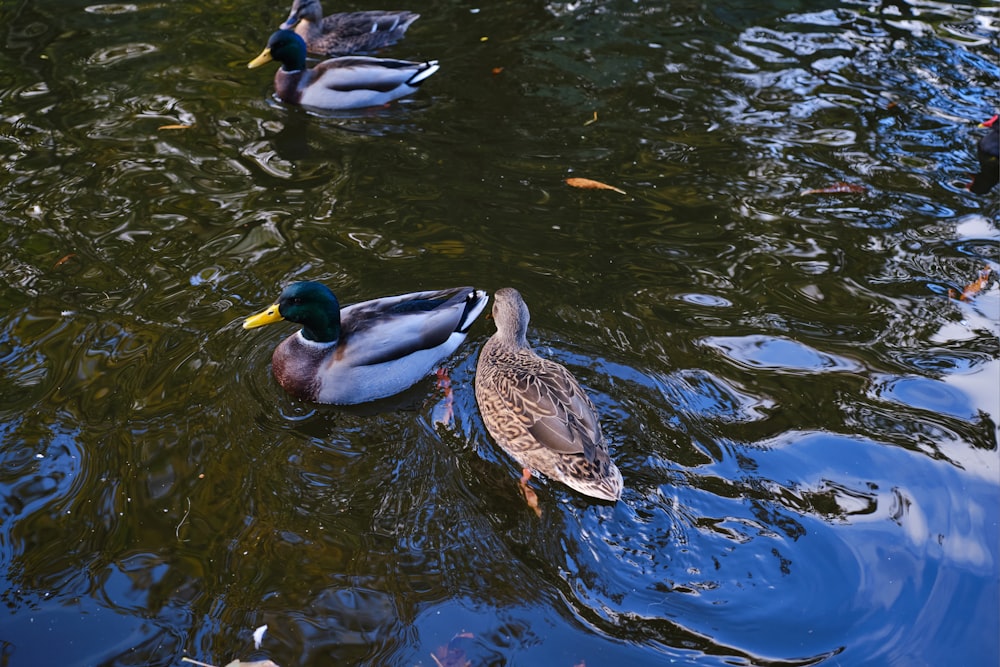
point(158, 479)
point(115, 54)
point(771, 353)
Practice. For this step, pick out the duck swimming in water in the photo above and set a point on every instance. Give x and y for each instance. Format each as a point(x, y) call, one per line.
point(988, 154)
point(367, 350)
point(348, 82)
point(346, 32)
point(536, 410)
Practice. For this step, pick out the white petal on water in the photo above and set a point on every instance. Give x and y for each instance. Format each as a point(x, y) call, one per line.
point(258, 635)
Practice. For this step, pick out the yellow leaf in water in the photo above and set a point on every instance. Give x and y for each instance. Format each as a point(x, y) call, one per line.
point(589, 184)
point(179, 126)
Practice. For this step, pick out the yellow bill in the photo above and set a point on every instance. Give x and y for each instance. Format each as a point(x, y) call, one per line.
point(269, 316)
point(262, 59)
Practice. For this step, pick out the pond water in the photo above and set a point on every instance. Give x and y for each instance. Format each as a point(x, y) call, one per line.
point(805, 416)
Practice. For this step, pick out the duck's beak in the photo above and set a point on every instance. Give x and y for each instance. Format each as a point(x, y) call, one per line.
point(262, 59)
point(989, 123)
point(269, 316)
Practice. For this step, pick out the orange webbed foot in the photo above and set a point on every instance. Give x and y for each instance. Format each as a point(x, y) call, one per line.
point(444, 384)
point(529, 494)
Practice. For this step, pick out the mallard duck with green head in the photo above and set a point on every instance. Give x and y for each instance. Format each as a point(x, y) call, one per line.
point(346, 32)
point(348, 82)
point(536, 410)
point(367, 350)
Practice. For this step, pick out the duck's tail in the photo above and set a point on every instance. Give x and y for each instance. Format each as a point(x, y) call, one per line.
point(475, 302)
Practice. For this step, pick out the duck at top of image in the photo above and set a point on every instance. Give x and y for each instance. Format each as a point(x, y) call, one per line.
point(988, 154)
point(347, 82)
point(368, 350)
point(536, 410)
point(344, 33)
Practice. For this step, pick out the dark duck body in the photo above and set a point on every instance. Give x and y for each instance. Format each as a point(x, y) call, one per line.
point(988, 154)
point(345, 33)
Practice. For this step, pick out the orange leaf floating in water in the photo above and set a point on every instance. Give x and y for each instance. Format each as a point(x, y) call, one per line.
point(973, 288)
point(179, 126)
point(589, 184)
point(592, 120)
point(836, 189)
point(64, 260)
point(497, 70)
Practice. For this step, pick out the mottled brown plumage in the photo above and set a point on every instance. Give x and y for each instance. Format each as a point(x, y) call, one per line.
point(535, 409)
point(345, 33)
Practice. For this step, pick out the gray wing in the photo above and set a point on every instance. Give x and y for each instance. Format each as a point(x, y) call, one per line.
point(349, 73)
point(390, 328)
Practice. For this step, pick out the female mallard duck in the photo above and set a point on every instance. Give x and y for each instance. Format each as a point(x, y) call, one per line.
point(348, 82)
point(367, 350)
point(536, 411)
point(346, 32)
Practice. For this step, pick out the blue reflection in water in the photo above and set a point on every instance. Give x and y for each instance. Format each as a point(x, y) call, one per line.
point(806, 422)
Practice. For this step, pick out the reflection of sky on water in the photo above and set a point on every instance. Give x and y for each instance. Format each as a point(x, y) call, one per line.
point(806, 422)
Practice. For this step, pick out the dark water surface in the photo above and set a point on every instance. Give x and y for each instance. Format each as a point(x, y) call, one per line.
point(806, 423)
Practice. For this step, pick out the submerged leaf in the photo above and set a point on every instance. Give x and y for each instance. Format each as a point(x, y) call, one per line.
point(451, 654)
point(837, 188)
point(589, 184)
